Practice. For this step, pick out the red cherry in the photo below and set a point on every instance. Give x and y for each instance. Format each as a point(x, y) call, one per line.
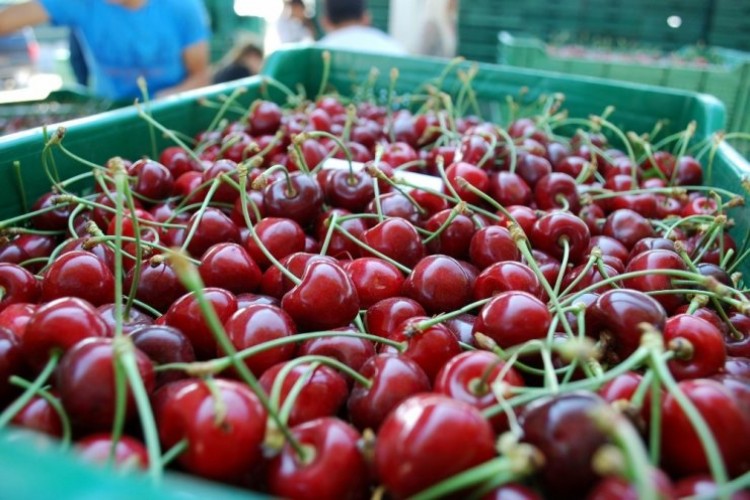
point(397, 239)
point(323, 392)
point(455, 231)
point(131, 320)
point(468, 377)
point(256, 324)
point(78, 274)
point(86, 381)
point(51, 220)
point(439, 283)
point(375, 279)
point(15, 317)
point(471, 174)
point(11, 362)
point(702, 486)
point(332, 445)
point(394, 205)
point(298, 197)
point(229, 266)
point(177, 161)
point(627, 226)
point(186, 315)
point(157, 284)
point(225, 192)
point(512, 491)
point(699, 346)
point(532, 167)
point(163, 345)
point(423, 441)
point(280, 237)
point(349, 190)
point(385, 315)
point(557, 191)
point(229, 422)
point(211, 227)
point(554, 230)
point(653, 261)
point(492, 244)
point(508, 188)
point(617, 487)
point(339, 246)
point(351, 351)
point(153, 180)
point(17, 285)
point(130, 453)
point(264, 117)
point(512, 318)
point(39, 415)
point(504, 277)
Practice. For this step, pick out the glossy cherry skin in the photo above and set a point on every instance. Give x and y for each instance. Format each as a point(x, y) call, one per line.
point(511, 318)
point(468, 377)
point(508, 188)
point(682, 452)
point(562, 429)
point(385, 315)
point(429, 347)
point(86, 381)
point(333, 446)
point(703, 486)
point(325, 298)
point(551, 232)
point(627, 226)
point(229, 266)
point(224, 192)
point(15, 317)
point(611, 487)
point(351, 351)
point(375, 279)
point(735, 346)
point(256, 324)
point(40, 416)
point(79, 274)
point(17, 285)
point(349, 190)
point(130, 453)
point(59, 325)
point(504, 277)
point(492, 244)
point(11, 362)
point(322, 395)
point(163, 345)
point(653, 261)
point(619, 312)
point(299, 198)
point(212, 227)
point(158, 284)
point(153, 180)
point(557, 191)
point(423, 441)
point(233, 430)
point(512, 491)
point(264, 118)
point(53, 220)
point(470, 174)
point(130, 321)
point(339, 246)
point(280, 237)
point(397, 239)
point(532, 167)
point(440, 283)
point(705, 354)
point(185, 315)
point(176, 160)
point(455, 231)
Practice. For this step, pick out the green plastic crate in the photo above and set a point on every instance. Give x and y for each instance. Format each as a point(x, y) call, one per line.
point(122, 132)
point(729, 82)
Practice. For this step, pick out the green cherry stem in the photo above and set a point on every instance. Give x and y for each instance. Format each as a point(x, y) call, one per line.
point(54, 402)
point(12, 410)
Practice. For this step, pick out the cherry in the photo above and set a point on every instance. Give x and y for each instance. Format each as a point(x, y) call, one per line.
point(331, 445)
point(609, 247)
point(553, 231)
point(397, 239)
point(39, 415)
point(17, 285)
point(429, 347)
point(52, 220)
point(225, 192)
point(682, 452)
point(349, 190)
point(385, 315)
point(455, 233)
point(513, 317)
point(532, 167)
point(229, 266)
point(163, 345)
point(654, 260)
point(375, 279)
point(11, 362)
point(492, 244)
point(471, 174)
point(512, 491)
point(702, 486)
point(313, 154)
point(504, 277)
point(298, 197)
point(508, 188)
point(325, 298)
point(15, 317)
point(280, 236)
point(59, 325)
point(469, 376)
point(101, 250)
point(689, 171)
point(228, 422)
point(698, 345)
point(186, 315)
point(423, 441)
point(275, 283)
point(562, 429)
point(131, 320)
point(473, 148)
point(157, 284)
point(323, 392)
point(398, 153)
point(264, 117)
point(651, 243)
point(557, 191)
point(254, 201)
point(439, 283)
point(177, 161)
point(339, 246)
point(617, 314)
point(735, 346)
point(78, 274)
point(394, 205)
point(153, 180)
point(627, 226)
point(621, 388)
point(256, 324)
point(130, 453)
point(351, 351)
point(86, 381)
point(617, 487)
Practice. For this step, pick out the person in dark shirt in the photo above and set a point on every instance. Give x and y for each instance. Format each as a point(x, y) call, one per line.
point(245, 60)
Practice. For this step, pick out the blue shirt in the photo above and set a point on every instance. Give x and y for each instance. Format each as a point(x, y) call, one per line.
point(122, 44)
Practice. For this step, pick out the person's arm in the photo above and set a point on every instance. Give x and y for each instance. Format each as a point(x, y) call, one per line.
point(21, 15)
point(196, 60)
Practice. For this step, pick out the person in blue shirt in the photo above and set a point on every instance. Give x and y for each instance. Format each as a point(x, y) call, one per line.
point(164, 41)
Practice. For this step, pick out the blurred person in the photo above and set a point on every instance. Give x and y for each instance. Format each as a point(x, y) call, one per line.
point(347, 26)
point(164, 41)
point(294, 25)
point(242, 61)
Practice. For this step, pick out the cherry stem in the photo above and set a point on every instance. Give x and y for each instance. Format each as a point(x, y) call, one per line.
point(389, 104)
point(563, 264)
point(118, 422)
point(12, 410)
point(224, 107)
point(457, 210)
point(286, 408)
point(331, 222)
point(655, 424)
point(169, 134)
point(175, 451)
point(191, 279)
point(364, 245)
point(326, 56)
point(429, 323)
point(494, 469)
point(53, 402)
point(512, 151)
point(199, 214)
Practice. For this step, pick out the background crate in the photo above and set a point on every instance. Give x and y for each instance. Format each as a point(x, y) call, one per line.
point(99, 137)
point(729, 81)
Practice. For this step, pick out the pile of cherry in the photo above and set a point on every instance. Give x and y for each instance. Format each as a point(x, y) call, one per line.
point(562, 319)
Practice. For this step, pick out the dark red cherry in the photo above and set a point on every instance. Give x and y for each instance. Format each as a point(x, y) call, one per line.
point(15, 317)
point(349, 190)
point(163, 345)
point(385, 315)
point(211, 227)
point(264, 117)
point(698, 346)
point(454, 233)
point(131, 319)
point(86, 381)
point(129, 454)
point(177, 161)
point(279, 236)
point(439, 283)
point(702, 486)
point(471, 174)
point(512, 318)
point(492, 244)
point(397, 239)
point(39, 415)
point(651, 263)
point(509, 188)
point(157, 284)
point(375, 279)
point(504, 277)
point(627, 226)
point(423, 441)
point(532, 167)
point(557, 191)
point(553, 231)
point(54, 219)
point(153, 180)
point(350, 350)
point(229, 266)
point(11, 362)
point(298, 197)
point(79, 274)
point(17, 285)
